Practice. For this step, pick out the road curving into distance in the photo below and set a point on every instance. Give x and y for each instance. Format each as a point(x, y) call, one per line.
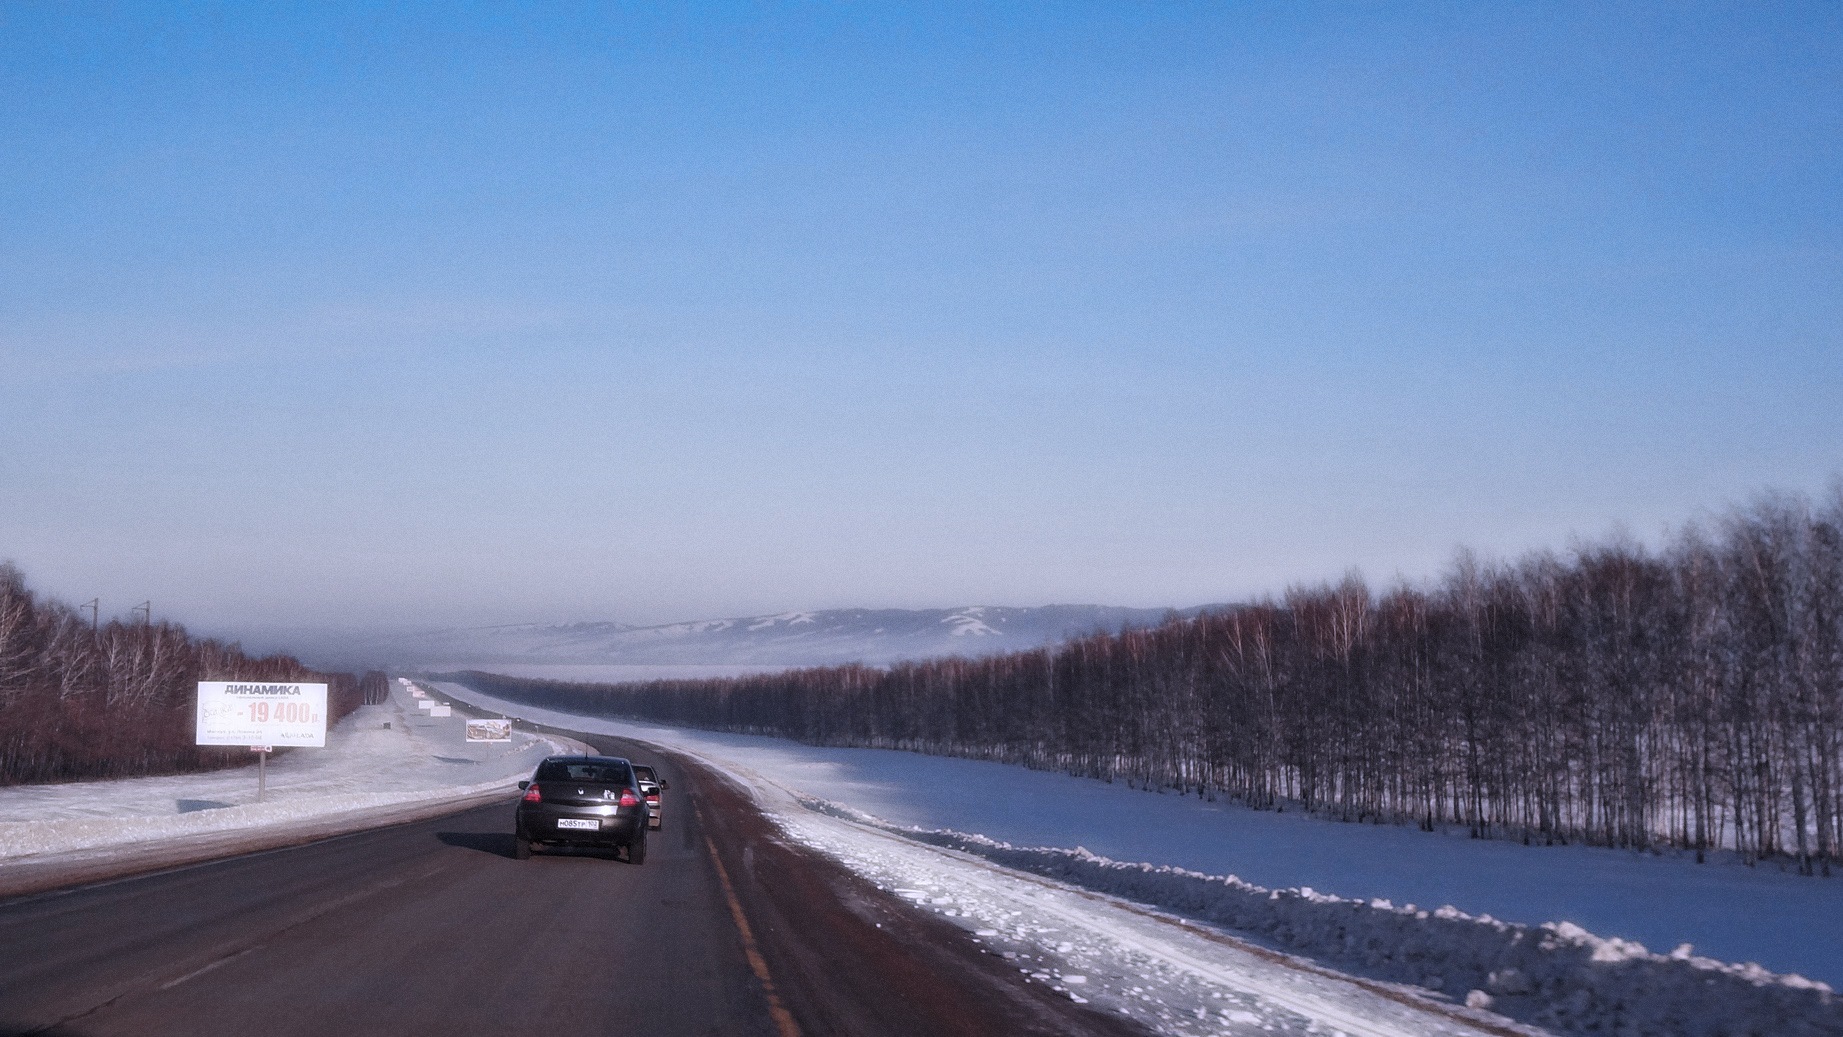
point(432, 928)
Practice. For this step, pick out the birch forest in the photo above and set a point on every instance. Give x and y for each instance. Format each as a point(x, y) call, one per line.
point(1688, 696)
point(80, 699)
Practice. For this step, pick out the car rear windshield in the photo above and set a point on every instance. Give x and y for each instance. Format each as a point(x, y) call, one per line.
point(582, 770)
point(644, 773)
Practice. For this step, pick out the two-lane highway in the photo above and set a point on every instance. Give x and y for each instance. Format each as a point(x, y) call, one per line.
point(433, 928)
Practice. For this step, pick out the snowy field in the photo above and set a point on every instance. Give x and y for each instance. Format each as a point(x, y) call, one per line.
point(1011, 840)
point(612, 673)
point(378, 759)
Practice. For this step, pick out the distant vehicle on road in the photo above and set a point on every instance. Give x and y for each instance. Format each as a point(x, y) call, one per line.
point(582, 801)
point(651, 785)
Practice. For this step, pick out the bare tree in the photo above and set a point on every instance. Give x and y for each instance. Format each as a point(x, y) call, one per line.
point(1689, 698)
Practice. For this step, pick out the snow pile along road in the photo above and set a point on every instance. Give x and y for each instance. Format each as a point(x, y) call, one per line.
point(382, 763)
point(1556, 975)
point(1172, 978)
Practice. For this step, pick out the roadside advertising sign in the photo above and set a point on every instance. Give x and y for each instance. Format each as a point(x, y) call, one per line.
point(425, 704)
point(415, 691)
point(261, 713)
point(441, 711)
point(489, 730)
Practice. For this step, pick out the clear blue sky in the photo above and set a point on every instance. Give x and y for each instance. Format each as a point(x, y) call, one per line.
point(482, 313)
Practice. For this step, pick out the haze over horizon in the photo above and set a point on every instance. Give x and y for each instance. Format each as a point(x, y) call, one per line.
point(429, 318)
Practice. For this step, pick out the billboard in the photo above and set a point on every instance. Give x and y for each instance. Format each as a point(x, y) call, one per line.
point(489, 730)
point(261, 713)
point(442, 711)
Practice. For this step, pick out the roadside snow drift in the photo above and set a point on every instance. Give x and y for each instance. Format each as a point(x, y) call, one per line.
point(378, 761)
point(1555, 975)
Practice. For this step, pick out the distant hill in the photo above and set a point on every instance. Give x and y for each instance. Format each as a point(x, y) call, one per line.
point(788, 639)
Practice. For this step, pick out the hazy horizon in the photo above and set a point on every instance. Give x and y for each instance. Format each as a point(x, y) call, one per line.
point(426, 318)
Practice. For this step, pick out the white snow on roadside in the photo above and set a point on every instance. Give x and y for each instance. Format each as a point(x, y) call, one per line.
point(613, 673)
point(1556, 974)
point(381, 756)
point(1053, 911)
point(1174, 980)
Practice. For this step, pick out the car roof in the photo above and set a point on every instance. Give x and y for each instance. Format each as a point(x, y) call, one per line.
point(584, 758)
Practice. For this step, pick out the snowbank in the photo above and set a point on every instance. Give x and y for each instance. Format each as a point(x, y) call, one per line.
point(1555, 975)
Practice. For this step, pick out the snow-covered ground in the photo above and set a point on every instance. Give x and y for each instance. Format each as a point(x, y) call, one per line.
point(1022, 859)
point(612, 673)
point(379, 759)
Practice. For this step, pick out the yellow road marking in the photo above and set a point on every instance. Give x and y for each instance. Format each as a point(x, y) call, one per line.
point(783, 1019)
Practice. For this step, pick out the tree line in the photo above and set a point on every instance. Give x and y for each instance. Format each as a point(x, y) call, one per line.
point(1687, 696)
point(85, 700)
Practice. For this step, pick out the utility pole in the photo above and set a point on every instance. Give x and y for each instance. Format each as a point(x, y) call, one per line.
point(146, 609)
point(94, 604)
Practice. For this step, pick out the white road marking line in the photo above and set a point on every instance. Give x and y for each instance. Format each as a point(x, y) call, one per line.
point(195, 973)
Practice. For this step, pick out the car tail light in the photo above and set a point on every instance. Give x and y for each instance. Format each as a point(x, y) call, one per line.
point(628, 799)
point(652, 797)
point(532, 795)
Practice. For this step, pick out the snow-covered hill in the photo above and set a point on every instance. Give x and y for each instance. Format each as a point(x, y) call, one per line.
point(787, 639)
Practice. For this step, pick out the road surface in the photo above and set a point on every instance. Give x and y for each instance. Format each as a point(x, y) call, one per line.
point(432, 928)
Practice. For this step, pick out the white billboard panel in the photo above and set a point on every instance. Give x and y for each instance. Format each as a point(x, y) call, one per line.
point(489, 730)
point(442, 711)
point(425, 703)
point(261, 713)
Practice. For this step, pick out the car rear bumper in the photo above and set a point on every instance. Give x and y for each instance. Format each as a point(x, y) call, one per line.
point(613, 826)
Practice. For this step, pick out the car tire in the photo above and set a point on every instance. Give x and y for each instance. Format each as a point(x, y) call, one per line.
point(636, 850)
point(521, 848)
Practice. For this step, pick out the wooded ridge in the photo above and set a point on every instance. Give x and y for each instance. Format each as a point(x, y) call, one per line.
point(114, 700)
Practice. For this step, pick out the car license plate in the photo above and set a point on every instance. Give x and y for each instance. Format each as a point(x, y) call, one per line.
point(572, 822)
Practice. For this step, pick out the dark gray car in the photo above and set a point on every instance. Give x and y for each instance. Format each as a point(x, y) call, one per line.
point(582, 801)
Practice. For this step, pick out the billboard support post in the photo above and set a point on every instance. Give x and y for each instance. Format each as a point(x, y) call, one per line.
point(262, 768)
point(261, 715)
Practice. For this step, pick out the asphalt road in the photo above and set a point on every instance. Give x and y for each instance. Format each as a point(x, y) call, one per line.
point(433, 928)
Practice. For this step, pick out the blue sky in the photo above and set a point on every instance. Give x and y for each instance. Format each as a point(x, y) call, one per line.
point(473, 314)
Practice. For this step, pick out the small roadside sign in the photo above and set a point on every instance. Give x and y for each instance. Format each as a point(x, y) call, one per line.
point(489, 730)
